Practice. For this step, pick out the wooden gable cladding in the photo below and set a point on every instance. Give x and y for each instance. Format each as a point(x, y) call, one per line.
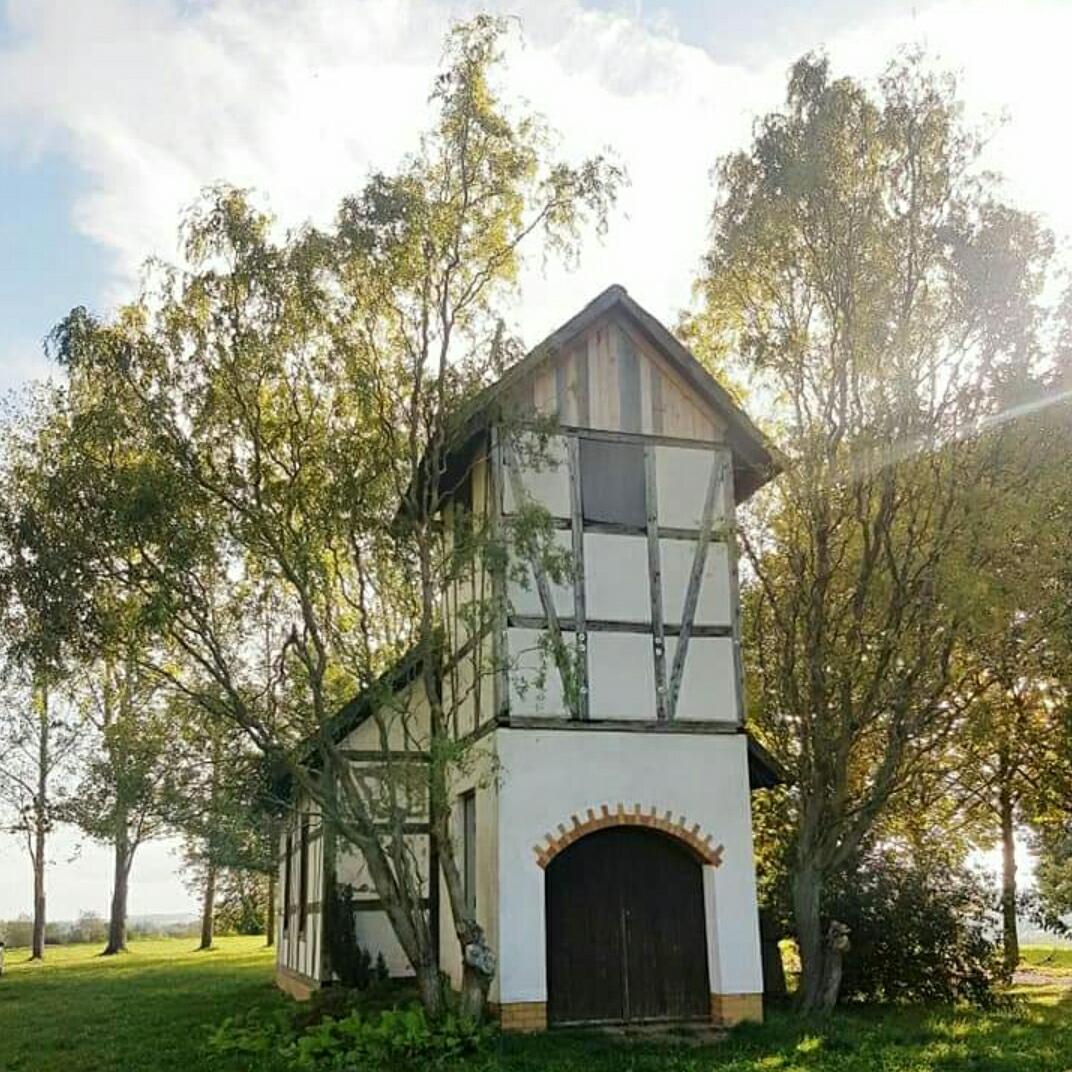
point(612, 380)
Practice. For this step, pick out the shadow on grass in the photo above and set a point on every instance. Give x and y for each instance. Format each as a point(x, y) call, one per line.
point(1031, 1036)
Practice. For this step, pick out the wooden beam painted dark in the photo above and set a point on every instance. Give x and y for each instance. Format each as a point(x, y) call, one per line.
point(655, 584)
point(496, 486)
point(580, 614)
point(618, 725)
point(373, 755)
point(692, 593)
point(374, 904)
point(600, 625)
point(614, 528)
point(729, 513)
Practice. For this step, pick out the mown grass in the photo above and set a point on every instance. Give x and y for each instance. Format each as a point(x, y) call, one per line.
point(1052, 959)
point(151, 1011)
point(147, 1010)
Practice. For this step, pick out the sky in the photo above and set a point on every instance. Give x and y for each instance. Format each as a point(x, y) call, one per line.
point(114, 114)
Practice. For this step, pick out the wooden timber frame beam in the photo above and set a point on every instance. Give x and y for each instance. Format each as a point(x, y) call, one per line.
point(494, 505)
point(580, 613)
point(655, 585)
point(715, 496)
point(729, 499)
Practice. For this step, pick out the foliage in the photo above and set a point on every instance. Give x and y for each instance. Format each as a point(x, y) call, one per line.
point(349, 960)
point(881, 296)
point(241, 902)
point(1053, 870)
point(921, 932)
point(394, 1038)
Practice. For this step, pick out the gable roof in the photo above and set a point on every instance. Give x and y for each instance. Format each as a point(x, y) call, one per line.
point(756, 459)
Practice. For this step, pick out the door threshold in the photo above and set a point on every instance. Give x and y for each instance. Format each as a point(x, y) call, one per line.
point(661, 1028)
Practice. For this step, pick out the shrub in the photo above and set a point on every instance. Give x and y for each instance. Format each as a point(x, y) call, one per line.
point(394, 1039)
point(16, 933)
point(918, 933)
point(350, 962)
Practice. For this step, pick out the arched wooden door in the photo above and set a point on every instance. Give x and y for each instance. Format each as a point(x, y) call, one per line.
point(625, 930)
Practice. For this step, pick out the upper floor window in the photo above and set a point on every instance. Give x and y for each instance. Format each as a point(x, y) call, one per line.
point(612, 482)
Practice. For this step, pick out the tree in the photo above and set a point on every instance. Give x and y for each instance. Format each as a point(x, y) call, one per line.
point(38, 745)
point(878, 293)
point(1008, 761)
point(122, 796)
point(260, 454)
point(220, 803)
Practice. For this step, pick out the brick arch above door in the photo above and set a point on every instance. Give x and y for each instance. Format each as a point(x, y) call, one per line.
point(609, 815)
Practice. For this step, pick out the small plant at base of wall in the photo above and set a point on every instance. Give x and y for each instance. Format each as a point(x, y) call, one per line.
point(395, 1038)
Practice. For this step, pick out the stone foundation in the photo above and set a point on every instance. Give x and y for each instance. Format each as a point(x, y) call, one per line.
point(730, 1009)
point(521, 1015)
point(298, 986)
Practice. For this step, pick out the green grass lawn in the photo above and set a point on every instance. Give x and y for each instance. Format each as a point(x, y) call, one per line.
point(1056, 960)
point(143, 1011)
point(150, 1010)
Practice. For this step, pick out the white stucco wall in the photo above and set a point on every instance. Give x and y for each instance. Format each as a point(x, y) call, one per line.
point(547, 776)
point(682, 475)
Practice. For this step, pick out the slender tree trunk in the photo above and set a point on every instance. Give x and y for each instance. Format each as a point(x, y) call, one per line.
point(1010, 934)
point(37, 946)
point(430, 988)
point(269, 921)
point(807, 894)
point(208, 908)
point(771, 958)
point(117, 922)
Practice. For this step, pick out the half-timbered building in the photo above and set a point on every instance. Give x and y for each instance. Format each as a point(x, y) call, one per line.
point(609, 859)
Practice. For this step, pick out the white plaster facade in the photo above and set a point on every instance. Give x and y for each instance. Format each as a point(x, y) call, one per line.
point(549, 776)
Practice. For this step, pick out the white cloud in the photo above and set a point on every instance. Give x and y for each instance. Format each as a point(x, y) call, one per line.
point(154, 99)
point(300, 99)
point(22, 360)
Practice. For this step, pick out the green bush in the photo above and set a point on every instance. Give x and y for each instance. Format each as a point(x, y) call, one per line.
point(393, 1039)
point(352, 963)
point(918, 933)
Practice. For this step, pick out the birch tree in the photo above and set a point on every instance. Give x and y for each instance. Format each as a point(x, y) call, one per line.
point(122, 797)
point(877, 291)
point(38, 744)
point(38, 741)
point(271, 430)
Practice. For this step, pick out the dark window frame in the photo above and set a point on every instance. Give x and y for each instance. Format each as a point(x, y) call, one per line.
point(613, 488)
